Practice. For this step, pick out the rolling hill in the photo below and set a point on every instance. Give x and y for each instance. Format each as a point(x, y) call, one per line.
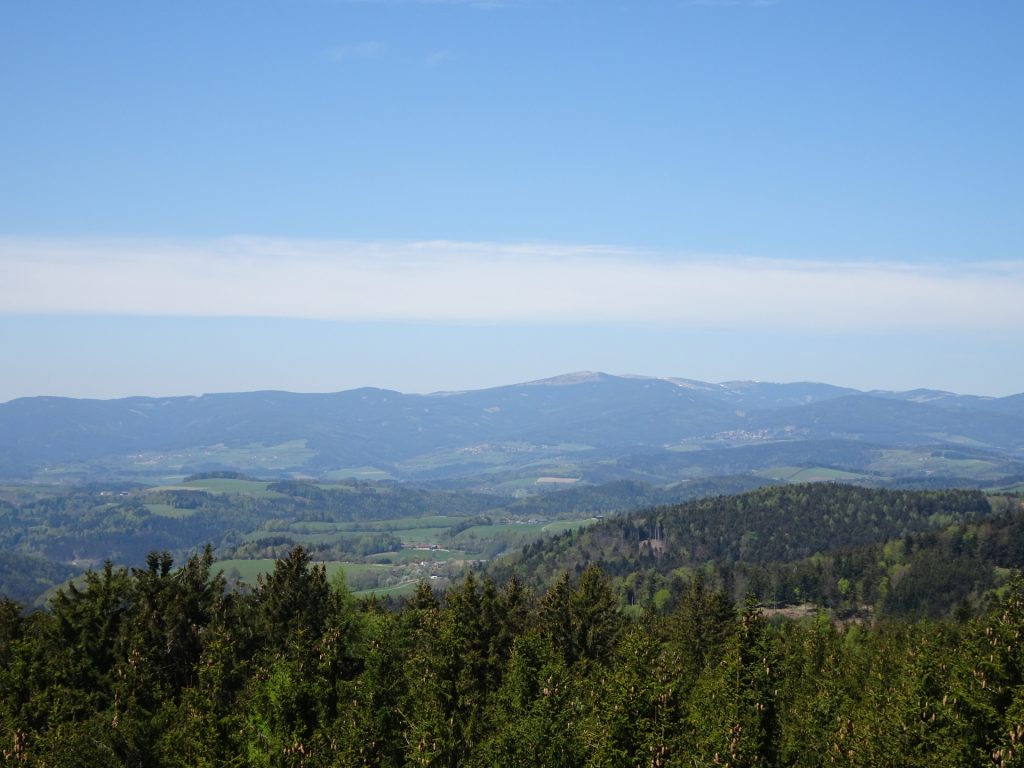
point(587, 426)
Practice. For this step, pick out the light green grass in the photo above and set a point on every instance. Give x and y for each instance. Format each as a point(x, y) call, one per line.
point(567, 525)
point(517, 533)
point(419, 530)
point(519, 486)
point(421, 535)
point(166, 510)
point(491, 531)
point(224, 485)
point(245, 570)
point(399, 590)
point(252, 458)
point(307, 538)
point(358, 473)
point(404, 523)
point(813, 474)
point(257, 488)
point(495, 456)
point(791, 474)
point(316, 526)
point(433, 522)
point(419, 555)
point(901, 461)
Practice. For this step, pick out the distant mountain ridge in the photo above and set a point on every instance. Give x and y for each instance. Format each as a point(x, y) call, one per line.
point(592, 415)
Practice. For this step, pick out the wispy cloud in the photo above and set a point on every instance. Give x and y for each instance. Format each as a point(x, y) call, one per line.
point(491, 282)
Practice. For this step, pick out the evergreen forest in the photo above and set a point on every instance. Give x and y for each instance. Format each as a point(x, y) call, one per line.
point(162, 666)
point(798, 625)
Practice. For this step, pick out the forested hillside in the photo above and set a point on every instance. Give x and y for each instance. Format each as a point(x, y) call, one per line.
point(161, 667)
point(586, 426)
point(48, 533)
point(617, 644)
point(905, 553)
point(841, 546)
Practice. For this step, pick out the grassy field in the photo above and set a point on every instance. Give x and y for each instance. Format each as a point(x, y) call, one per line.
point(358, 473)
point(807, 474)
point(166, 510)
point(224, 485)
point(421, 535)
point(304, 538)
point(817, 474)
point(400, 523)
point(490, 531)
point(477, 538)
point(496, 457)
point(560, 526)
point(901, 462)
point(514, 534)
point(419, 555)
point(422, 531)
point(254, 457)
point(257, 488)
point(400, 590)
point(314, 527)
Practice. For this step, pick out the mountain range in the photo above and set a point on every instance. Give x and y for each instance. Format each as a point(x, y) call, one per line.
point(576, 427)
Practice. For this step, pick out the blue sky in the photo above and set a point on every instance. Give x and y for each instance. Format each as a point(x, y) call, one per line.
point(319, 194)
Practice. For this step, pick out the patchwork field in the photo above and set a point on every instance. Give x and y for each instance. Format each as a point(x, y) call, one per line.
point(808, 474)
point(166, 510)
point(362, 578)
point(255, 488)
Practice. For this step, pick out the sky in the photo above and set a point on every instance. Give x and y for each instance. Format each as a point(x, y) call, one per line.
point(423, 195)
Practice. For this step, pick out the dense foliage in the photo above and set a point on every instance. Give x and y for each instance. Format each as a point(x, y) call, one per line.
point(52, 527)
point(88, 525)
point(160, 666)
point(782, 523)
point(22, 577)
point(907, 552)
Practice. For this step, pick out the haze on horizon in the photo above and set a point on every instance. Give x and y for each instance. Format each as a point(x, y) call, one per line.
point(423, 196)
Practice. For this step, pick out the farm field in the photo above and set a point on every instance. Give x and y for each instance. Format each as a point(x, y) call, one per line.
point(421, 547)
point(254, 488)
point(560, 526)
point(373, 526)
point(358, 473)
point(381, 534)
point(400, 590)
point(901, 462)
point(418, 555)
point(423, 535)
point(808, 474)
point(255, 457)
point(166, 510)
